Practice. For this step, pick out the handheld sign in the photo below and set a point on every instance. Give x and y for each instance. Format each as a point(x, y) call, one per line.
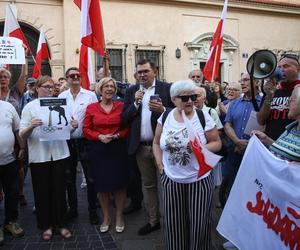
point(11, 51)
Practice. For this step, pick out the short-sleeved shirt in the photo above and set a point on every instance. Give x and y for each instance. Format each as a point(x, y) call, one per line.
point(9, 124)
point(14, 98)
point(180, 164)
point(238, 115)
point(214, 114)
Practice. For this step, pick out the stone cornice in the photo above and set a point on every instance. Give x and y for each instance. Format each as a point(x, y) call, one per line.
point(253, 5)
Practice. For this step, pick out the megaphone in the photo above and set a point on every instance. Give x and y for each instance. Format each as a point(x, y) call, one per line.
point(262, 64)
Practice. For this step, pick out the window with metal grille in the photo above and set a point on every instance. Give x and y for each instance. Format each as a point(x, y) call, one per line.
point(115, 63)
point(154, 56)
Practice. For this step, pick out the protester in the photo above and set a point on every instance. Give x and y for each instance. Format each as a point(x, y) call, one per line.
point(141, 114)
point(233, 91)
point(77, 101)
point(14, 94)
point(57, 86)
point(287, 146)
point(108, 154)
point(9, 126)
point(274, 111)
point(28, 96)
point(187, 199)
point(196, 76)
point(47, 161)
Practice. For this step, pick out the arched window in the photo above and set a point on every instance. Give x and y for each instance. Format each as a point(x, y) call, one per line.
point(32, 36)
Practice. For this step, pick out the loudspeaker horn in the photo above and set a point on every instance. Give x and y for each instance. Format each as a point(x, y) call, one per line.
point(262, 64)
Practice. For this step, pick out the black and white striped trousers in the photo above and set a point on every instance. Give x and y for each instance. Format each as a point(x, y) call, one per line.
point(187, 213)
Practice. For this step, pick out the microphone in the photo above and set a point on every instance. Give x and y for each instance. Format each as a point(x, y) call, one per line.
point(139, 101)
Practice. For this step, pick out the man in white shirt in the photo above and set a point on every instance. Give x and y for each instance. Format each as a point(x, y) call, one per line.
point(9, 170)
point(143, 104)
point(77, 101)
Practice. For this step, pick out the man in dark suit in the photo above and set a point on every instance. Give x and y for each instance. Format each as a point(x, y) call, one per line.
point(143, 105)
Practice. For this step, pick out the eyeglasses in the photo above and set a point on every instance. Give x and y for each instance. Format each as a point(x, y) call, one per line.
point(48, 87)
point(196, 77)
point(146, 71)
point(185, 98)
point(73, 76)
point(244, 80)
point(230, 89)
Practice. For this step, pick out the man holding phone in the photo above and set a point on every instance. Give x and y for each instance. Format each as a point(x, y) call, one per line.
point(143, 104)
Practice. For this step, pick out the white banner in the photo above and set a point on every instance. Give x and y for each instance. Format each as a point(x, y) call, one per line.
point(55, 119)
point(11, 51)
point(263, 208)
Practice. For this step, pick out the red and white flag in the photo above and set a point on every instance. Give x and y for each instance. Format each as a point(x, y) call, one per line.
point(12, 27)
point(41, 54)
point(212, 65)
point(92, 34)
point(85, 67)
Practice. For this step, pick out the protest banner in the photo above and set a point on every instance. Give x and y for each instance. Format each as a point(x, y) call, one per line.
point(11, 51)
point(263, 208)
point(55, 119)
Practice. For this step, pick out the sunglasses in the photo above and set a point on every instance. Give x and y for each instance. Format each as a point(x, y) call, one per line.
point(73, 76)
point(185, 98)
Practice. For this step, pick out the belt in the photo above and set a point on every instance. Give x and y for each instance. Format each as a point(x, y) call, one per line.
point(146, 143)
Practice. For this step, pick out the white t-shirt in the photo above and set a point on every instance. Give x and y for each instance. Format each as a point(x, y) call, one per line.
point(180, 164)
point(9, 123)
point(41, 151)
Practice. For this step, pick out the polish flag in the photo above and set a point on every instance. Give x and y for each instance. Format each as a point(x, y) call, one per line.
point(12, 27)
point(206, 159)
point(85, 67)
point(92, 34)
point(41, 54)
point(212, 65)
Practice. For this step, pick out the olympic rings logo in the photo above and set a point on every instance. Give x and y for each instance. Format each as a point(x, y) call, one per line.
point(49, 129)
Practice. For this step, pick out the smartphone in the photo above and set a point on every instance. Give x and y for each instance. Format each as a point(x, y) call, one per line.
point(155, 98)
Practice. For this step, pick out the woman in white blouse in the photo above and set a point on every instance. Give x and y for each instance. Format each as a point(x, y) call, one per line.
point(187, 198)
point(47, 161)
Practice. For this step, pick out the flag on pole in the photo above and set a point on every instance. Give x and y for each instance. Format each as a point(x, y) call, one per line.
point(41, 54)
point(212, 65)
point(92, 34)
point(12, 27)
point(85, 67)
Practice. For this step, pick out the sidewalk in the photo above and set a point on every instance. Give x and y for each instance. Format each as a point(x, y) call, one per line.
point(86, 236)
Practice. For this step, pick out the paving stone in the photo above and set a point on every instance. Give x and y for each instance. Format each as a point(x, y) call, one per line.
point(57, 245)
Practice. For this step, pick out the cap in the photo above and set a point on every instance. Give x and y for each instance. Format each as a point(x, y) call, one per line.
point(31, 81)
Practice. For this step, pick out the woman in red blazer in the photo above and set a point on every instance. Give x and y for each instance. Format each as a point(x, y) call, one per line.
point(108, 153)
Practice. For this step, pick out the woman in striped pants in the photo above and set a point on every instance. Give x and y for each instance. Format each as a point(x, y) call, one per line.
point(187, 198)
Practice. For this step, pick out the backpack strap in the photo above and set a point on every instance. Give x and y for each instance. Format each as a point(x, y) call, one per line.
point(201, 118)
point(199, 113)
point(165, 115)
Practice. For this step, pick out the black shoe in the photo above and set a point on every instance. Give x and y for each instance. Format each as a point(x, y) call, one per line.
point(148, 229)
point(94, 219)
point(131, 208)
point(71, 214)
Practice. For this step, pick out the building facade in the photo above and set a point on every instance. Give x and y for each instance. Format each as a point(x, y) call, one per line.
point(176, 34)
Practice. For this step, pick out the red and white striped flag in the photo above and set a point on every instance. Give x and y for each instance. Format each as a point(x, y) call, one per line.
point(85, 67)
point(41, 54)
point(92, 34)
point(12, 27)
point(212, 65)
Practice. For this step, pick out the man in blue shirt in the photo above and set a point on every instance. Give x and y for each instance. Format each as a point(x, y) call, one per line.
point(235, 123)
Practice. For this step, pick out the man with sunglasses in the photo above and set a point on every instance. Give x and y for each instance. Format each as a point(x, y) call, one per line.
point(144, 103)
point(77, 101)
point(274, 110)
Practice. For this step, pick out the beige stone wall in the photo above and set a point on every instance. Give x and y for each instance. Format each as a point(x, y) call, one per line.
point(173, 24)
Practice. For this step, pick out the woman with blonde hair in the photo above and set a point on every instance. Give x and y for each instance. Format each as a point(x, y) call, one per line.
point(108, 154)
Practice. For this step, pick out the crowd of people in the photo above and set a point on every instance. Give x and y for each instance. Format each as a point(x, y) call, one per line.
point(124, 142)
